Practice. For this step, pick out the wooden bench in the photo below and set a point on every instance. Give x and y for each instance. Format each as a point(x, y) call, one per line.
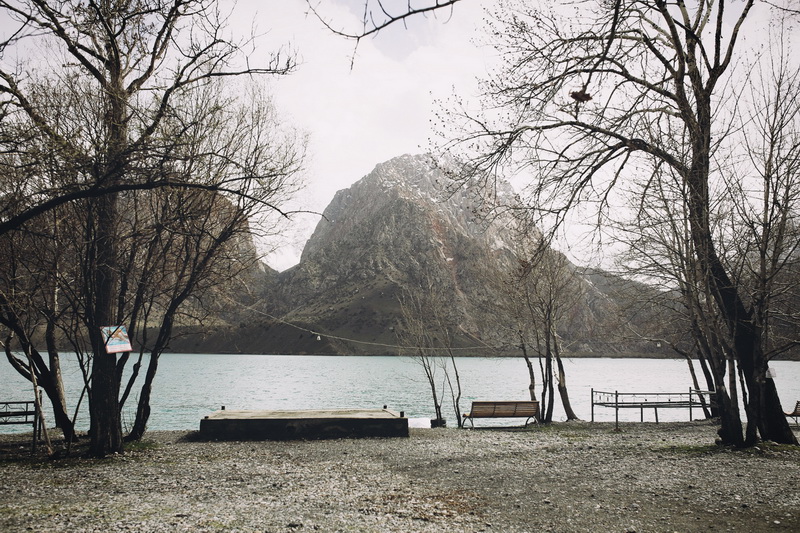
point(505, 409)
point(21, 413)
point(796, 413)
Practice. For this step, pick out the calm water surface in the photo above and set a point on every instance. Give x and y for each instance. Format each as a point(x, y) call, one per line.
point(189, 386)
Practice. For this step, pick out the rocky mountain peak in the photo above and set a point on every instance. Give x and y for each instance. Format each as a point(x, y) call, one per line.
point(400, 231)
point(410, 183)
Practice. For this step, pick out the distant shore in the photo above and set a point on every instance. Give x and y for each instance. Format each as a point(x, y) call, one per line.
point(578, 355)
point(573, 476)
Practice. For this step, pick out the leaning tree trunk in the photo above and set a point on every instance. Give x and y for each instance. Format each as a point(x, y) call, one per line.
point(55, 385)
point(562, 386)
point(531, 372)
point(766, 407)
point(696, 384)
point(143, 407)
point(548, 413)
point(455, 392)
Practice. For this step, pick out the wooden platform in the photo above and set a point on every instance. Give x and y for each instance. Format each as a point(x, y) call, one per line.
point(303, 424)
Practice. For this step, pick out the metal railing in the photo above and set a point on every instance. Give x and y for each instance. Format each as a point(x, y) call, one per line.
point(693, 399)
point(22, 412)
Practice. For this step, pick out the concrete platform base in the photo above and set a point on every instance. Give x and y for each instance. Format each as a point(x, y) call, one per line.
point(303, 424)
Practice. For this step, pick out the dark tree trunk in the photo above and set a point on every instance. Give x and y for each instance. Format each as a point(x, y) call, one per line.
point(143, 407)
point(56, 393)
point(763, 402)
point(105, 421)
point(531, 373)
point(562, 390)
point(730, 431)
point(548, 414)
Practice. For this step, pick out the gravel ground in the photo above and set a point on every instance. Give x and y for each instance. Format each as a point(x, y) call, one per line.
point(574, 476)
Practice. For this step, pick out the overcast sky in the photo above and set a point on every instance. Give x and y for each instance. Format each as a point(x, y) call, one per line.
point(378, 109)
point(360, 107)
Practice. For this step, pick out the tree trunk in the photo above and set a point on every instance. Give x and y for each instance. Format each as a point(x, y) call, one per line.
point(531, 372)
point(762, 399)
point(105, 421)
point(730, 431)
point(548, 413)
point(58, 398)
point(562, 387)
point(429, 373)
point(455, 393)
point(696, 385)
point(143, 407)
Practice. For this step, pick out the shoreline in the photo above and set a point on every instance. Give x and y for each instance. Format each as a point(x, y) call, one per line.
point(569, 476)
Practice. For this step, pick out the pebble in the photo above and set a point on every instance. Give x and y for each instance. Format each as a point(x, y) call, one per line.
point(436, 480)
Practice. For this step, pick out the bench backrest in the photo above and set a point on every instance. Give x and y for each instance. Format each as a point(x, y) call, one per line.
point(504, 409)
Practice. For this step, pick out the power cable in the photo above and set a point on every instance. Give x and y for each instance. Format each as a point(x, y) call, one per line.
point(320, 334)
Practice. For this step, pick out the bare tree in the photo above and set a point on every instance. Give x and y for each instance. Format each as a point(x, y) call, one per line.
point(36, 280)
point(598, 106)
point(765, 197)
point(547, 290)
point(660, 250)
point(426, 333)
point(754, 221)
point(131, 68)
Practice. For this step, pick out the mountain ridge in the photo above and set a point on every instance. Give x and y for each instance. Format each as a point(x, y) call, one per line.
point(392, 233)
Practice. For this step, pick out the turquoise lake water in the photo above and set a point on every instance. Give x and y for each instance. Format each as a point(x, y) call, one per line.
point(189, 386)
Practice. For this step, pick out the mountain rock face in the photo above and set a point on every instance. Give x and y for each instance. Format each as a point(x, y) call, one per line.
point(398, 235)
point(395, 230)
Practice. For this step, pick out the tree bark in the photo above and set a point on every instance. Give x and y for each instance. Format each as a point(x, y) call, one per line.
point(562, 389)
point(105, 421)
point(531, 372)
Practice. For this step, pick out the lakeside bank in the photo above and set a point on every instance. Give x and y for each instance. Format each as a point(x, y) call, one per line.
point(574, 476)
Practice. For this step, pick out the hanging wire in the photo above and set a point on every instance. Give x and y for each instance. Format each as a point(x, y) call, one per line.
point(320, 334)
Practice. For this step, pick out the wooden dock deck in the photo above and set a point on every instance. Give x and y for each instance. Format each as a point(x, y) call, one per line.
point(303, 424)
